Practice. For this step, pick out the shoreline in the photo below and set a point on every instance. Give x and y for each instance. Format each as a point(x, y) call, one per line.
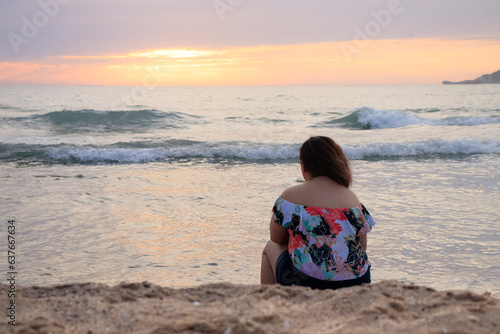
point(386, 306)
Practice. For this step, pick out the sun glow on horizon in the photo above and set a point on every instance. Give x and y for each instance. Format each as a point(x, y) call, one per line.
point(413, 61)
point(155, 53)
point(172, 53)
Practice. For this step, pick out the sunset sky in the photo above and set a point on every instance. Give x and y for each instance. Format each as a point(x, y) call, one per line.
point(247, 42)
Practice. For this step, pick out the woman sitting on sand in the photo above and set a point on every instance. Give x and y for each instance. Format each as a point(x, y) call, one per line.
point(318, 228)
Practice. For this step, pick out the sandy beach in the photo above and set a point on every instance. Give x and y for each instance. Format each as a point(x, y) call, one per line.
point(383, 307)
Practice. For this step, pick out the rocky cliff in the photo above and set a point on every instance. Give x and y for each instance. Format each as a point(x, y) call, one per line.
point(493, 78)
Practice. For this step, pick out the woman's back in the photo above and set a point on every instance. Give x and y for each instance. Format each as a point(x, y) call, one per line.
point(318, 228)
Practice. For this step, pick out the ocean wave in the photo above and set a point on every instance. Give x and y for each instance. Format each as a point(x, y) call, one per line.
point(248, 120)
point(89, 120)
point(433, 147)
point(424, 110)
point(209, 150)
point(368, 118)
point(245, 152)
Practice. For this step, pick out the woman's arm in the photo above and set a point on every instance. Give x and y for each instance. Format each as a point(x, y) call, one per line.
point(279, 234)
point(364, 241)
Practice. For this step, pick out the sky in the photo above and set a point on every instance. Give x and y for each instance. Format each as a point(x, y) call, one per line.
point(247, 42)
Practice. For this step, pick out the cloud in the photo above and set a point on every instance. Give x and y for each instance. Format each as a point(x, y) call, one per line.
point(84, 27)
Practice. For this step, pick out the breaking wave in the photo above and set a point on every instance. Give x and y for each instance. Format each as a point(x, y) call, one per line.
point(243, 152)
point(89, 120)
point(368, 118)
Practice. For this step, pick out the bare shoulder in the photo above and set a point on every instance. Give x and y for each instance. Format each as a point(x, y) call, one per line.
point(346, 198)
point(293, 193)
point(321, 192)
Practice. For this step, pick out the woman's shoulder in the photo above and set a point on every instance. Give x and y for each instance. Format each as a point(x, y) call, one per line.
point(293, 194)
point(317, 195)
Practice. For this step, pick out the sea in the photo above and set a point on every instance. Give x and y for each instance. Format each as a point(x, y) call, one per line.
point(175, 185)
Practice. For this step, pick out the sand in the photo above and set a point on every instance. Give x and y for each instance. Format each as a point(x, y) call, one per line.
point(383, 307)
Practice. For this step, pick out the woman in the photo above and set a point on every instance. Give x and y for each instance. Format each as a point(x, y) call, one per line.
point(318, 228)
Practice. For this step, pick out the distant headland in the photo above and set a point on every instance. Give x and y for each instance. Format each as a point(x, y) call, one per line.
point(493, 78)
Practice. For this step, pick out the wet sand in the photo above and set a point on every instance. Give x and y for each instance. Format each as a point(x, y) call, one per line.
point(383, 307)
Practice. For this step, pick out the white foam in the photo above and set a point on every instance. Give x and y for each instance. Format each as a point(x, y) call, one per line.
point(270, 152)
point(423, 148)
point(137, 155)
point(385, 119)
point(122, 155)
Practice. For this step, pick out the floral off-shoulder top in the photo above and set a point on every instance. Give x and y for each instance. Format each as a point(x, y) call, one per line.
point(325, 243)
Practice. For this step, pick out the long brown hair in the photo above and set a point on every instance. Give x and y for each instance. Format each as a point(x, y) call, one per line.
point(322, 156)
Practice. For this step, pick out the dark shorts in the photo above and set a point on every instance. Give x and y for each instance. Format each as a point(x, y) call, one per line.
point(287, 274)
